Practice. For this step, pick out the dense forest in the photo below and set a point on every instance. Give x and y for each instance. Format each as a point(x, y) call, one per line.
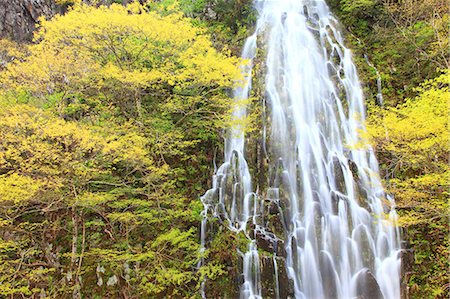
point(113, 114)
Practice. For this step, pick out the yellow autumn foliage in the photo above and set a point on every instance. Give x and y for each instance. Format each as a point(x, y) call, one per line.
point(412, 142)
point(106, 124)
point(40, 152)
point(16, 188)
point(93, 46)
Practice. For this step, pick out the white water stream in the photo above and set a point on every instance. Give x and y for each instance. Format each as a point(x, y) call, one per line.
point(339, 233)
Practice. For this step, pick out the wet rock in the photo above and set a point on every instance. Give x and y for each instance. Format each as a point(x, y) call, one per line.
point(361, 191)
point(286, 285)
point(367, 286)
point(361, 194)
point(317, 210)
point(338, 175)
point(270, 275)
point(335, 199)
point(273, 196)
point(273, 214)
point(285, 207)
point(353, 168)
point(275, 224)
point(328, 276)
point(407, 258)
point(211, 196)
point(270, 243)
point(268, 279)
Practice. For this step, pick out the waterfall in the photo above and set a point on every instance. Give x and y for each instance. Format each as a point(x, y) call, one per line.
point(338, 236)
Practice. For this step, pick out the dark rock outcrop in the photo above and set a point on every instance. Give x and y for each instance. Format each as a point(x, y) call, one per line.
point(407, 255)
point(18, 18)
point(270, 277)
point(367, 286)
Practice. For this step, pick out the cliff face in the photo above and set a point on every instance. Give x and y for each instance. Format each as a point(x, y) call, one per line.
point(18, 17)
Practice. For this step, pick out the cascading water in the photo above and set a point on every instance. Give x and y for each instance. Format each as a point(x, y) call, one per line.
point(339, 238)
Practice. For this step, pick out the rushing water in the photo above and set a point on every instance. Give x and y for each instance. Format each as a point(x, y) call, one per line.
point(338, 234)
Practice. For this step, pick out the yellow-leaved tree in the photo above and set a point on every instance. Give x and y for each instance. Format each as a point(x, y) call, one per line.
point(412, 143)
point(109, 123)
point(127, 54)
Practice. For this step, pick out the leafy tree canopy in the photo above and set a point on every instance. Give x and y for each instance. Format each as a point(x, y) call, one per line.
point(109, 123)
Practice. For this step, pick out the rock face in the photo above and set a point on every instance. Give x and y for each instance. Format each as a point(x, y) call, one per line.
point(19, 17)
point(407, 267)
point(367, 286)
